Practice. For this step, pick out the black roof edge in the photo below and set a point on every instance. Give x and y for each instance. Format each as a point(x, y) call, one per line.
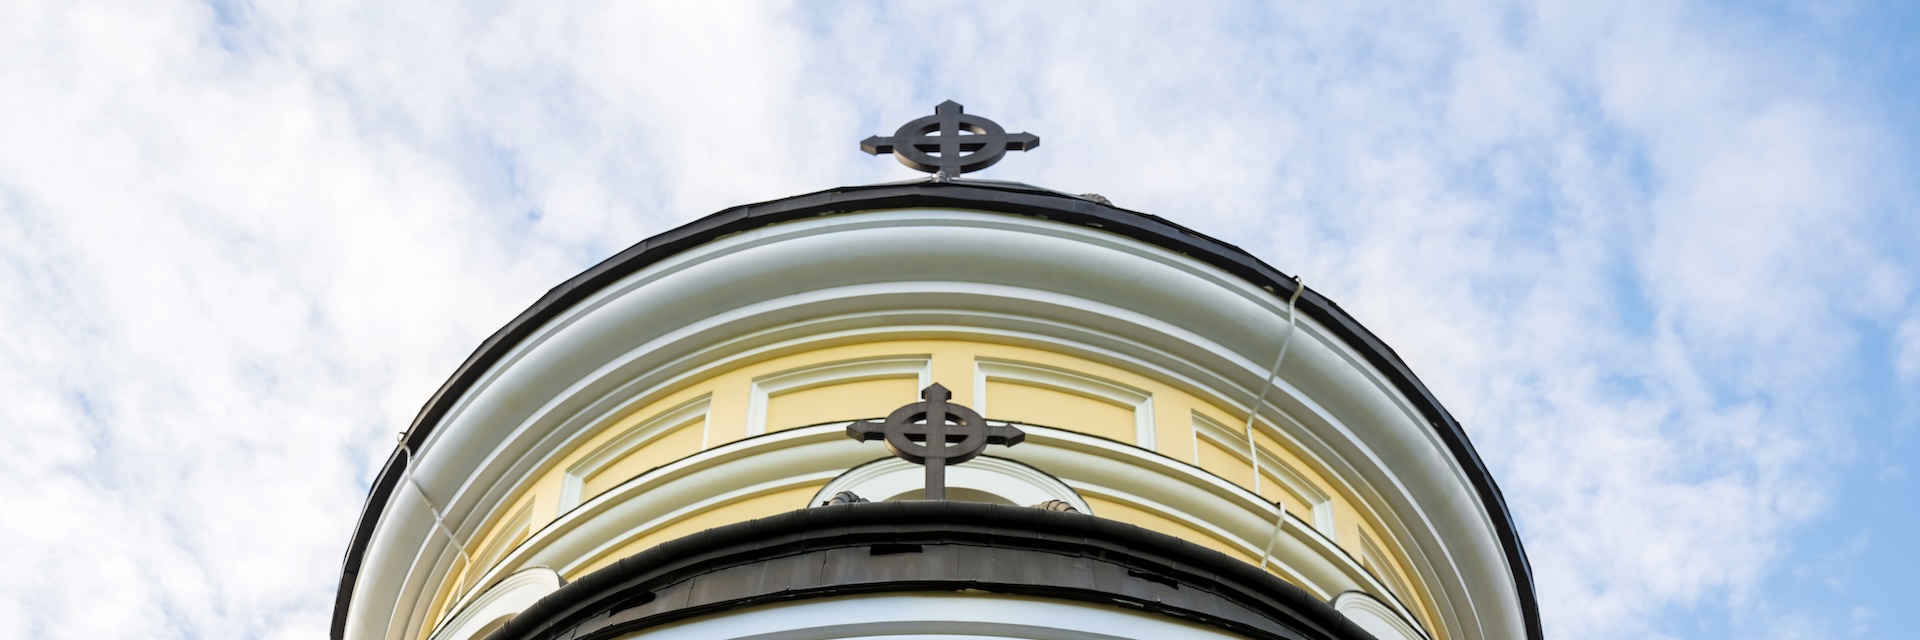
point(999, 197)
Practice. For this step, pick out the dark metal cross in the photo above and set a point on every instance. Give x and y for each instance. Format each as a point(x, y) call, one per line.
point(919, 433)
point(915, 143)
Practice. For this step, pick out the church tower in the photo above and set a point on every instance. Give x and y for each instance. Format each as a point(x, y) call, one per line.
point(940, 408)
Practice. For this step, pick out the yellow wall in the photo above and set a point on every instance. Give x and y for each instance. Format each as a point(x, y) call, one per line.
point(679, 442)
point(952, 363)
point(1033, 404)
point(856, 400)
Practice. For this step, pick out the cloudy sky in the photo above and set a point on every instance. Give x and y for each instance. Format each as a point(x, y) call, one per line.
point(1661, 258)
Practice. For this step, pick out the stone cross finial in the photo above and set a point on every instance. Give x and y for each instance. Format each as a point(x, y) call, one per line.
point(950, 142)
point(920, 433)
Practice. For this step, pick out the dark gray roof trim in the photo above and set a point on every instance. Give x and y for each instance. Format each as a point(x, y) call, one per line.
point(928, 545)
point(960, 194)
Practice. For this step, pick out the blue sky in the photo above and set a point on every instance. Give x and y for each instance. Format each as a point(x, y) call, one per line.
point(1661, 259)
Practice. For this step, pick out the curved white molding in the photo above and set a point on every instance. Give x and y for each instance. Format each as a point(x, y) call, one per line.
point(1376, 617)
point(809, 456)
point(513, 595)
point(1016, 483)
point(1379, 563)
point(1319, 504)
point(517, 526)
point(819, 338)
point(1074, 382)
point(575, 478)
point(933, 616)
point(830, 373)
point(858, 277)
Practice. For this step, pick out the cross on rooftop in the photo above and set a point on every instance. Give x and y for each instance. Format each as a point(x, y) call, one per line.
point(919, 433)
point(950, 142)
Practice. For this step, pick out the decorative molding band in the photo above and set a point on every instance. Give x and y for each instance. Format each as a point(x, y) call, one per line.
point(575, 479)
point(817, 455)
point(492, 609)
point(1319, 504)
point(1057, 379)
point(1376, 617)
point(919, 367)
point(1017, 483)
point(1376, 561)
point(518, 526)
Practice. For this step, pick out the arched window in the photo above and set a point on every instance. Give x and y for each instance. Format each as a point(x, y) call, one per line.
point(1376, 617)
point(492, 609)
point(982, 479)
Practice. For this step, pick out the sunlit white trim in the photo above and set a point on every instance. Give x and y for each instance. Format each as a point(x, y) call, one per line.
point(1073, 382)
point(513, 595)
point(609, 543)
point(1091, 466)
point(575, 479)
point(1376, 617)
point(1378, 562)
point(819, 375)
point(1016, 483)
point(1319, 504)
point(516, 527)
point(933, 616)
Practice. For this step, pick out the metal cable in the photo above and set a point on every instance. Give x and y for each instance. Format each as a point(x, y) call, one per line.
point(437, 519)
point(1260, 403)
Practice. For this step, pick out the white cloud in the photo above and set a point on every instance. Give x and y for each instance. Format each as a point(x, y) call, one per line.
point(1628, 244)
point(1862, 620)
point(1906, 349)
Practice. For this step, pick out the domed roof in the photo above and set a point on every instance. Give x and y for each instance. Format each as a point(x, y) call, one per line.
point(964, 194)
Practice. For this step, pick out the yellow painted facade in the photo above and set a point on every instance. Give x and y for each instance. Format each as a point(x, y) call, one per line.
point(679, 442)
point(728, 398)
point(1034, 404)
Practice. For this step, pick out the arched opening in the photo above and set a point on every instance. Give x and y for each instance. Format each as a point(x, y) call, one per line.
point(984, 479)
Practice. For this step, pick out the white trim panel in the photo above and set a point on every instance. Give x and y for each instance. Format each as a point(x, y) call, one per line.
point(574, 481)
point(1073, 382)
point(1319, 504)
point(831, 373)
